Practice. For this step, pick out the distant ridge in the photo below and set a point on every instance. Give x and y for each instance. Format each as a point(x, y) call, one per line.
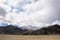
point(50, 30)
point(13, 30)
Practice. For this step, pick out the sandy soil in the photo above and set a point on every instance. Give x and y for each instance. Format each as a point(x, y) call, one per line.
point(29, 37)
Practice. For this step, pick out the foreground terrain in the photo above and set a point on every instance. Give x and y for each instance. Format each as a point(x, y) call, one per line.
point(30, 37)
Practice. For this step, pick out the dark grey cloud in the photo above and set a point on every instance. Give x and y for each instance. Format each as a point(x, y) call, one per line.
point(2, 12)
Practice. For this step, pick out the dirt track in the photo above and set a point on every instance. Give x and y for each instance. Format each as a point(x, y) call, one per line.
point(29, 37)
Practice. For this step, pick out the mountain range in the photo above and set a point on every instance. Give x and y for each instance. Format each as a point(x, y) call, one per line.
point(14, 30)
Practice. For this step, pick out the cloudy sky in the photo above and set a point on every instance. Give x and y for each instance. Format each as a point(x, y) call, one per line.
point(29, 12)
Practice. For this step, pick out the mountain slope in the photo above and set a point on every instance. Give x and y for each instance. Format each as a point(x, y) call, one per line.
point(11, 30)
point(50, 30)
point(53, 29)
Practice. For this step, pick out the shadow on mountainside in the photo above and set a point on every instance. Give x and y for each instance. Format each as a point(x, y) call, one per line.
point(12, 30)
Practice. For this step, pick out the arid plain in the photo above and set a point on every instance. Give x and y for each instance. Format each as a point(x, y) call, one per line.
point(29, 37)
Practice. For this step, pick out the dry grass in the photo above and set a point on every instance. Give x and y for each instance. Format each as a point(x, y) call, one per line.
point(29, 37)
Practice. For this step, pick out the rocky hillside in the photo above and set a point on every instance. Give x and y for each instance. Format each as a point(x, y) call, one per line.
point(50, 30)
point(11, 30)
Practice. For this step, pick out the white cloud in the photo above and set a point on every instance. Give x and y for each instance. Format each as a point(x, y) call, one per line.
point(38, 13)
point(56, 22)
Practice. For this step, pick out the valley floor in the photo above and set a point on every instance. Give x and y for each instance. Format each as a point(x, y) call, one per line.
point(29, 37)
